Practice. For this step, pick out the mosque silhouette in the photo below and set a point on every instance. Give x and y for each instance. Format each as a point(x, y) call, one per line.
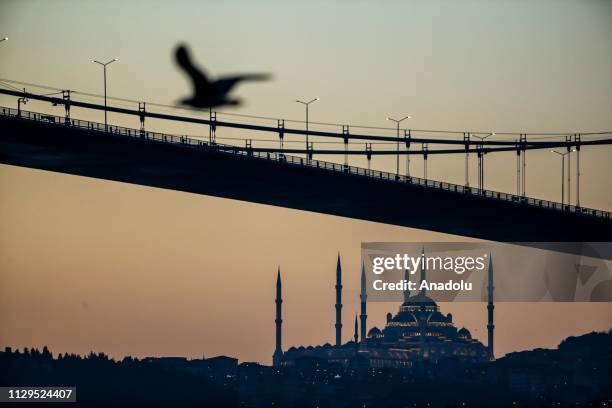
point(418, 332)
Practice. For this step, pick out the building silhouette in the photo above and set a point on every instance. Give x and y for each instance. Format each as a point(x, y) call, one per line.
point(418, 332)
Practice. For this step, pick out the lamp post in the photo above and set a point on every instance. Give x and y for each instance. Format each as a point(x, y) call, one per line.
point(104, 65)
point(481, 160)
point(562, 174)
point(397, 122)
point(307, 104)
point(4, 39)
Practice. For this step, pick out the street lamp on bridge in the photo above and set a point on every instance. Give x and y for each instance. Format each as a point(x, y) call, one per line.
point(397, 122)
point(104, 65)
point(563, 174)
point(307, 104)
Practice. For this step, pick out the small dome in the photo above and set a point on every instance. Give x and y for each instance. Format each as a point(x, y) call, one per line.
point(405, 317)
point(464, 333)
point(374, 333)
point(437, 318)
point(389, 317)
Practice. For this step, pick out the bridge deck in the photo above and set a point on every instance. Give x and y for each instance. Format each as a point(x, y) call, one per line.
point(191, 165)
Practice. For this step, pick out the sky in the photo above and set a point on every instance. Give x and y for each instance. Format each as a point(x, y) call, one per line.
point(98, 265)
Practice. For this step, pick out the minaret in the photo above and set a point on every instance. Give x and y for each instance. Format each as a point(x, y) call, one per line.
point(356, 330)
point(278, 351)
point(407, 290)
point(422, 324)
point(338, 302)
point(363, 298)
point(423, 270)
point(490, 307)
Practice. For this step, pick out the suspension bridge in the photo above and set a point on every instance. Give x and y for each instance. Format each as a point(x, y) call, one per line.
point(292, 177)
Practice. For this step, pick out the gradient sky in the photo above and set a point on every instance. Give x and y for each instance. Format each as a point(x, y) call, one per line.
point(96, 265)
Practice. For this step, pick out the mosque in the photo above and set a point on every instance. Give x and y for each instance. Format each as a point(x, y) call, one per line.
point(417, 332)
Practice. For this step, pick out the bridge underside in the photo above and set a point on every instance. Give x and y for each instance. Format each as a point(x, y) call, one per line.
point(131, 160)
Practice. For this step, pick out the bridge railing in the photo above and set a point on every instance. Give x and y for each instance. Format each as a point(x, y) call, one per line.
point(298, 161)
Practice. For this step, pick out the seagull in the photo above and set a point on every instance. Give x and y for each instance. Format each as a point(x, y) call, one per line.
point(207, 93)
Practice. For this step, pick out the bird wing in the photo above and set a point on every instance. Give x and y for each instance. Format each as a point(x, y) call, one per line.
point(225, 84)
point(201, 85)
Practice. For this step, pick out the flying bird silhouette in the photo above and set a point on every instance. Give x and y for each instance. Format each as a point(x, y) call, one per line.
point(207, 93)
